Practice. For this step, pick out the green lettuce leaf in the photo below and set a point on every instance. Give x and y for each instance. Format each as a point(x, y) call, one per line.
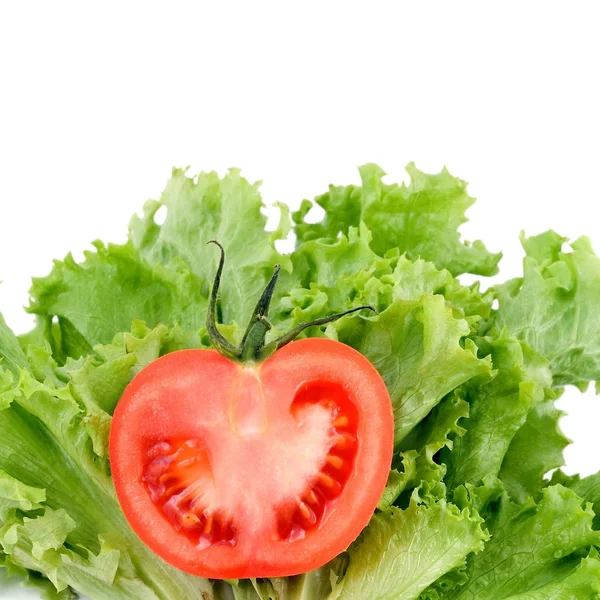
point(536, 449)
point(99, 379)
point(314, 585)
point(534, 549)
point(419, 460)
point(498, 409)
point(58, 512)
point(15, 494)
point(207, 207)
point(417, 348)
point(334, 275)
point(582, 582)
point(399, 555)
point(555, 306)
point(589, 489)
point(421, 219)
point(11, 354)
point(100, 297)
point(164, 273)
point(326, 277)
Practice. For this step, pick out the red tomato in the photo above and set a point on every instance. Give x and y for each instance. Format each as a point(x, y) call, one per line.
point(230, 470)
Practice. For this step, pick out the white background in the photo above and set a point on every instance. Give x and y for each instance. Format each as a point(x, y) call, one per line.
point(97, 104)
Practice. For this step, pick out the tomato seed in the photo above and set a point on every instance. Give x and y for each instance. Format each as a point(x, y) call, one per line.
point(307, 513)
point(335, 461)
point(326, 480)
point(343, 441)
point(311, 497)
point(341, 421)
point(189, 520)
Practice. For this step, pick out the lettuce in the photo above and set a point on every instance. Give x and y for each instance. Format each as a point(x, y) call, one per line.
point(468, 511)
point(554, 306)
point(535, 550)
point(421, 219)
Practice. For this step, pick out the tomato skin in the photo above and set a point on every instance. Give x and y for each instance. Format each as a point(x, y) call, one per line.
point(201, 394)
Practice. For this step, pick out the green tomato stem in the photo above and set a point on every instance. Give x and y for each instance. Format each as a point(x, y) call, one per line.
point(253, 347)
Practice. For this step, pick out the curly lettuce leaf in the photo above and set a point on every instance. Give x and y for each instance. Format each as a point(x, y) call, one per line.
point(326, 276)
point(421, 219)
point(398, 555)
point(535, 549)
point(207, 207)
point(418, 342)
point(334, 275)
point(11, 353)
point(419, 451)
point(498, 409)
point(555, 306)
point(100, 297)
point(99, 379)
point(589, 489)
point(164, 273)
point(536, 449)
point(417, 347)
point(314, 585)
point(59, 516)
point(582, 582)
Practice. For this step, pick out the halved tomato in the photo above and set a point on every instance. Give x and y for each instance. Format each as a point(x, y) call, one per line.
point(229, 470)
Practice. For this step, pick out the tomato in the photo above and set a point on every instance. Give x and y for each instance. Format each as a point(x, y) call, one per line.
point(263, 460)
point(227, 470)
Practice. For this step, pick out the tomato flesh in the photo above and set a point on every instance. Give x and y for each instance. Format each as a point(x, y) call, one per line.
point(228, 470)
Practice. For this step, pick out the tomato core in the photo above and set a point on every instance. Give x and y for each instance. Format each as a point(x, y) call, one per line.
point(179, 478)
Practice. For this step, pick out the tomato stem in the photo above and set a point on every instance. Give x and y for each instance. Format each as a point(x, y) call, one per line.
point(291, 335)
point(222, 344)
point(253, 347)
point(254, 338)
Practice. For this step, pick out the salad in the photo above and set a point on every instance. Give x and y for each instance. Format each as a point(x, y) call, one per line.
point(469, 504)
